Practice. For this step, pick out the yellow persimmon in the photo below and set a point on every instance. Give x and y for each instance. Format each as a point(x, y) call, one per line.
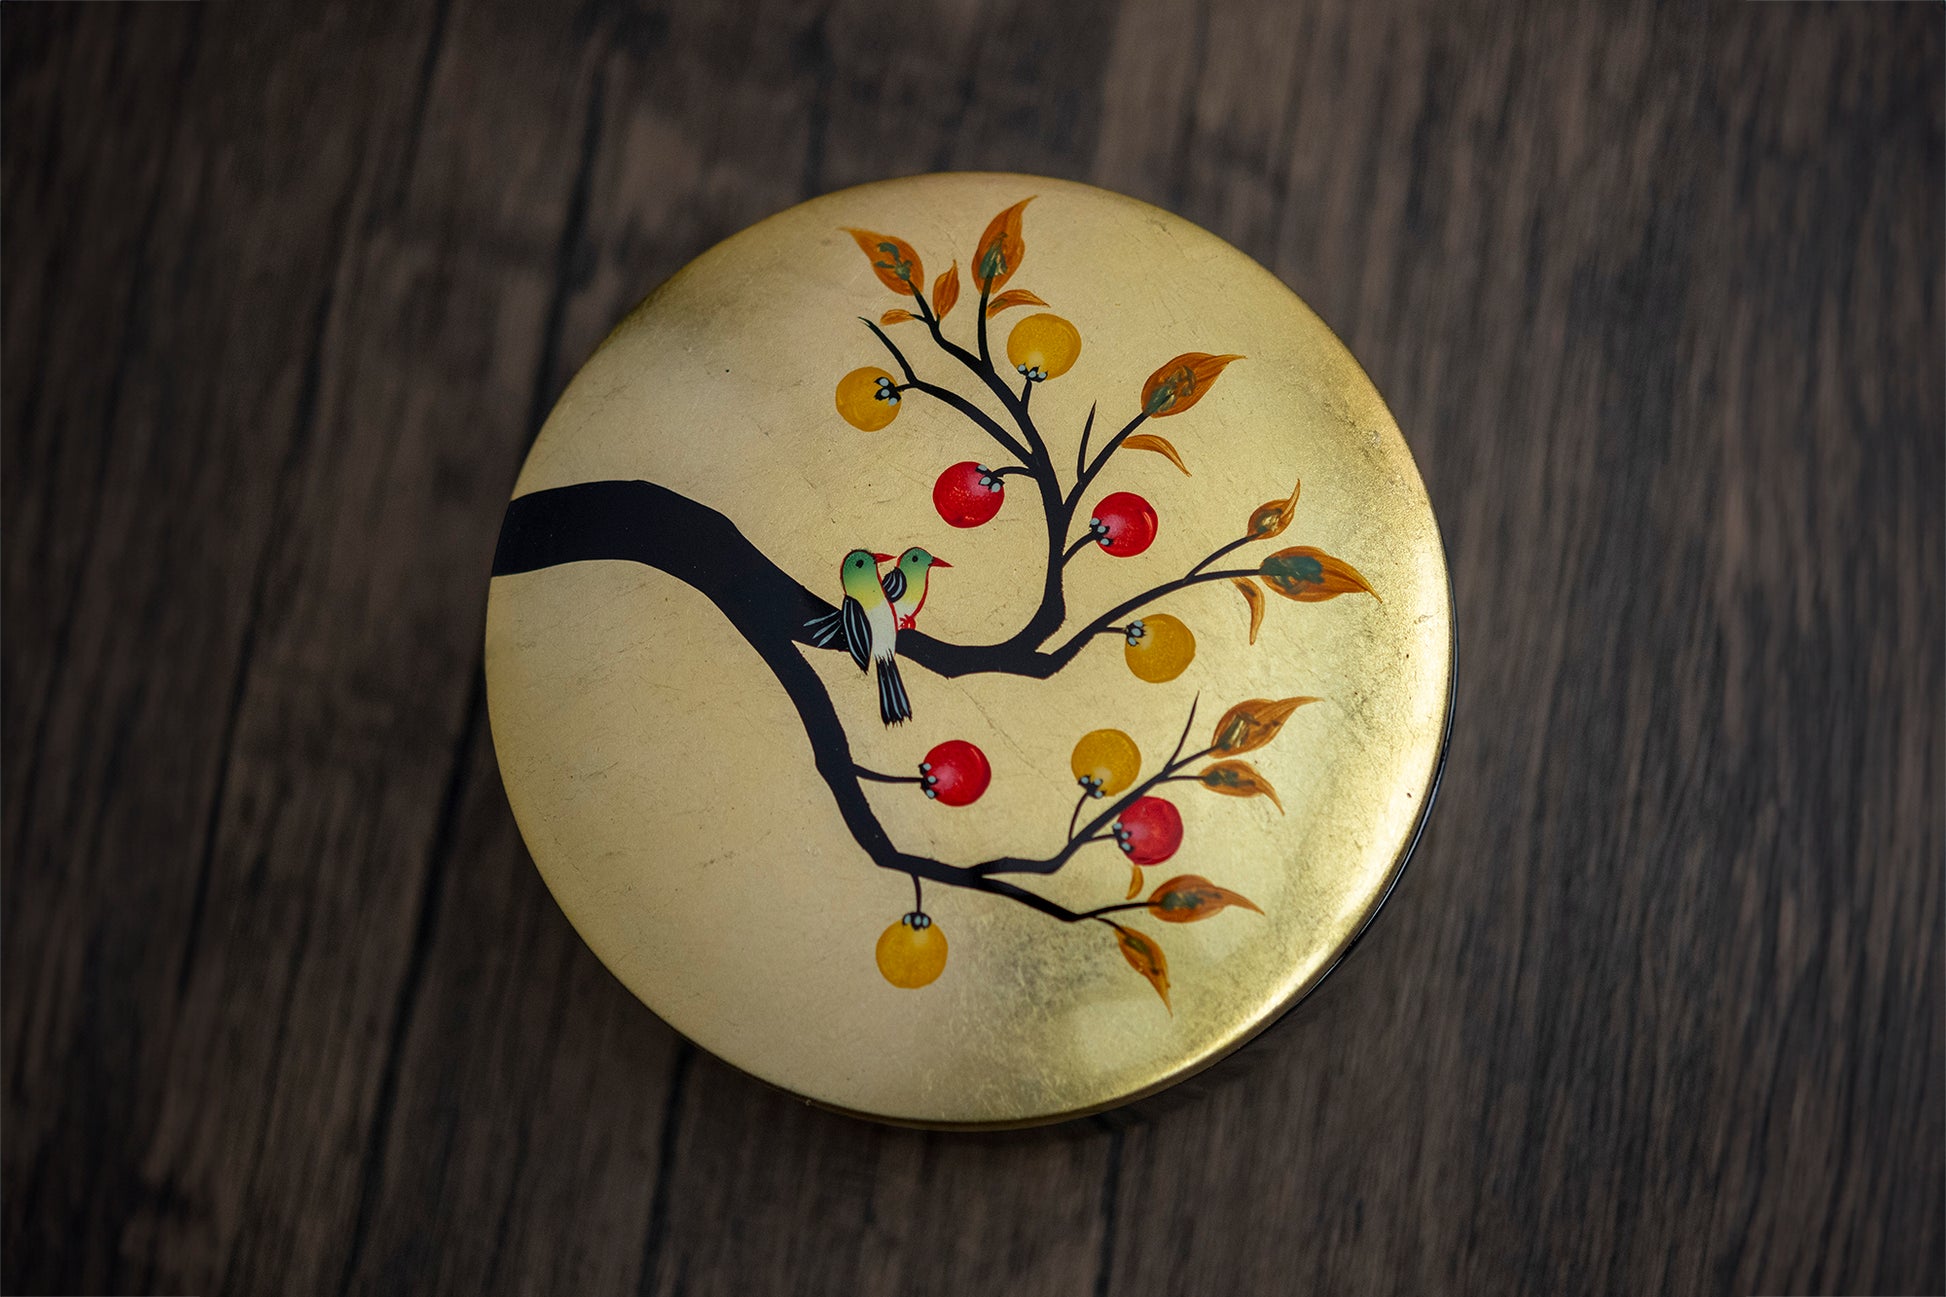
point(868, 398)
point(912, 952)
point(1105, 762)
point(1043, 346)
point(1159, 648)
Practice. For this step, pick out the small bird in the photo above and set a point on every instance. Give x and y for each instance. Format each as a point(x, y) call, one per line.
point(870, 629)
point(905, 585)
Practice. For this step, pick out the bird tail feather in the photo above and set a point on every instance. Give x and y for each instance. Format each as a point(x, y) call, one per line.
point(893, 705)
point(824, 628)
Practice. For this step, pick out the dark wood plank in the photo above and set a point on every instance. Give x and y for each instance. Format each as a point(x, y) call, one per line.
point(122, 879)
point(253, 937)
point(1655, 293)
point(1672, 954)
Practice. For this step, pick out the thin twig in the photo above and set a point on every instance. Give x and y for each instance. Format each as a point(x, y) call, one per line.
point(877, 777)
point(1184, 738)
point(1092, 831)
point(1121, 610)
point(1219, 552)
point(980, 417)
point(1075, 818)
point(985, 357)
point(1112, 909)
point(1101, 460)
point(982, 368)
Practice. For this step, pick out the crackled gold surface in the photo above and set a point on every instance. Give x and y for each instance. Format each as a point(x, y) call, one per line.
point(664, 784)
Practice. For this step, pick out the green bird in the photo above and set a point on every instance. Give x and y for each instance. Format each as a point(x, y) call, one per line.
point(871, 630)
point(905, 584)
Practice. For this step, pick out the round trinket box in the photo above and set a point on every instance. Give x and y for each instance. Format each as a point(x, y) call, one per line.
point(970, 650)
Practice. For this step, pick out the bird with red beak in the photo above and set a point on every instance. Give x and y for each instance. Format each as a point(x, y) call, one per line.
point(905, 584)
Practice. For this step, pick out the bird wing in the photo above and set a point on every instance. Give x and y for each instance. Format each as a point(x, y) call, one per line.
point(894, 583)
point(858, 631)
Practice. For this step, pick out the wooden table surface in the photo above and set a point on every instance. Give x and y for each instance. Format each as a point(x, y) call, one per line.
point(1655, 293)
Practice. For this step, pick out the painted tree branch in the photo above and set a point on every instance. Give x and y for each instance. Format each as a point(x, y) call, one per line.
point(982, 368)
point(646, 523)
point(1093, 471)
point(1168, 772)
point(1056, 505)
point(979, 417)
point(1057, 510)
point(642, 522)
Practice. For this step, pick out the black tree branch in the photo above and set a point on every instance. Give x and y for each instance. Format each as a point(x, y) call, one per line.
point(979, 417)
point(1101, 460)
point(641, 522)
point(1168, 773)
point(1058, 511)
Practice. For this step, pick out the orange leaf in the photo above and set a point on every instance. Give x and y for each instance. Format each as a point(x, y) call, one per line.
point(896, 316)
point(1192, 897)
point(1160, 445)
point(1252, 723)
point(893, 261)
point(1134, 882)
point(1145, 957)
point(1255, 598)
point(1181, 383)
point(945, 291)
point(1012, 297)
point(1239, 779)
point(1270, 518)
point(1309, 575)
point(1000, 248)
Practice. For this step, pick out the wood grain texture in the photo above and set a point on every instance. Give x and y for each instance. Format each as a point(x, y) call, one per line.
point(1656, 295)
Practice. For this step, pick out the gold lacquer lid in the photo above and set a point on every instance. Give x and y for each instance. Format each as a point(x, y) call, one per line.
point(970, 650)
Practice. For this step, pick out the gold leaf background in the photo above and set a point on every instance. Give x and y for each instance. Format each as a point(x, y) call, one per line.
point(664, 784)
